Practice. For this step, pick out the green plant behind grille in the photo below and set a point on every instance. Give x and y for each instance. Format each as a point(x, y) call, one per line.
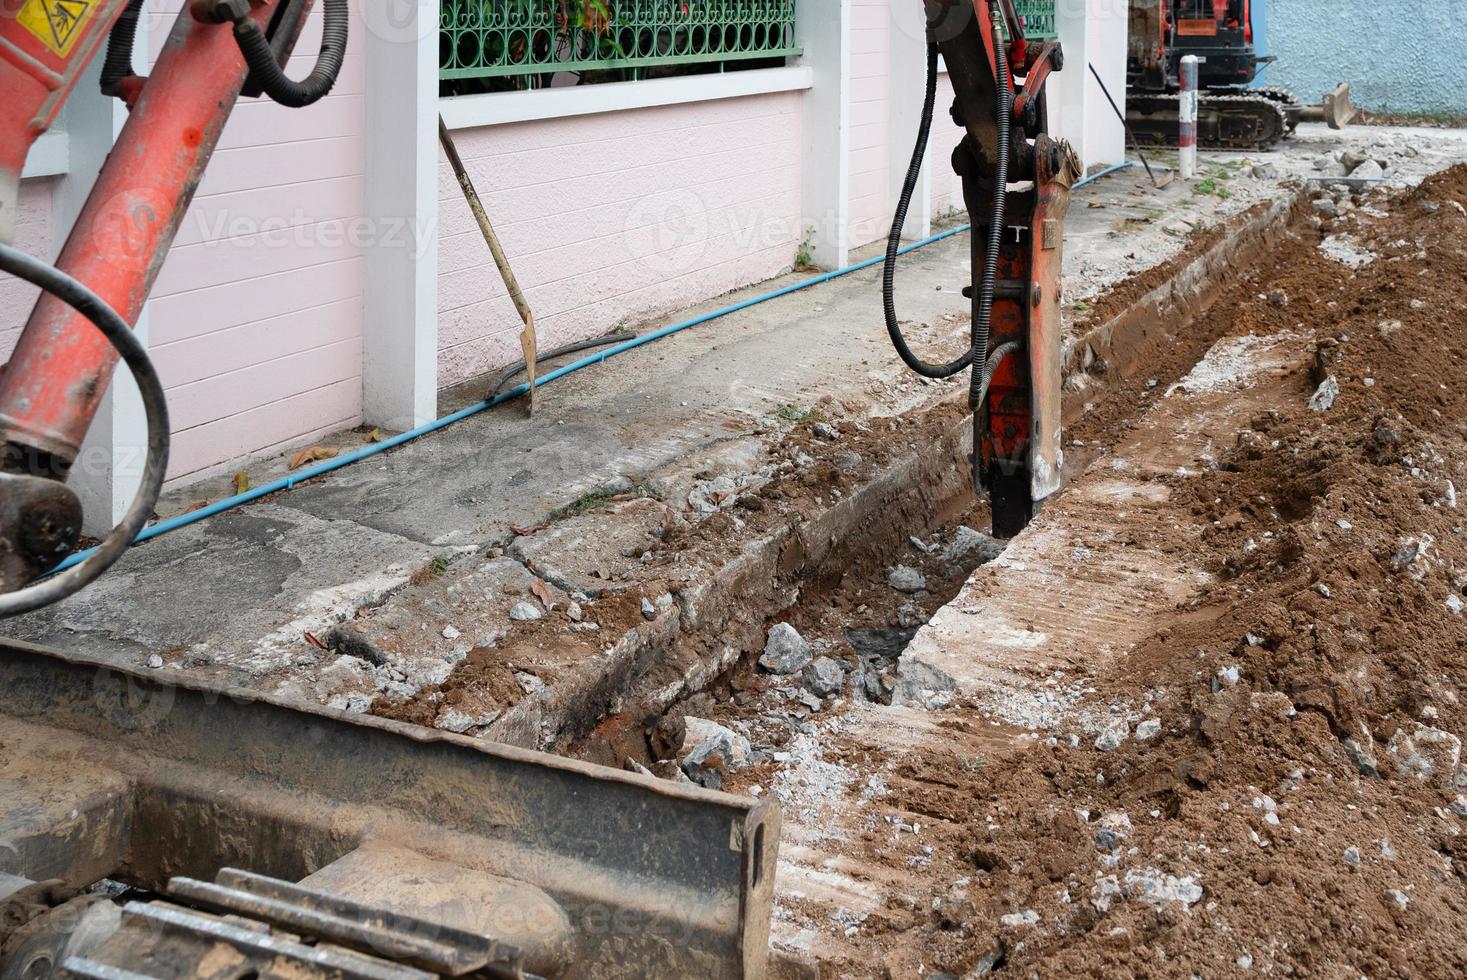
point(506, 38)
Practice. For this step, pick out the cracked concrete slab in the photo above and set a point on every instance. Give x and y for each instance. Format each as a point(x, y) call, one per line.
point(233, 595)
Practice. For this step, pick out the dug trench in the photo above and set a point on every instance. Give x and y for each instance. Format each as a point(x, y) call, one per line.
point(1211, 691)
point(662, 586)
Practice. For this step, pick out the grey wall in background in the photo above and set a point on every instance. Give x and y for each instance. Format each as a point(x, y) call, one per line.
point(1398, 55)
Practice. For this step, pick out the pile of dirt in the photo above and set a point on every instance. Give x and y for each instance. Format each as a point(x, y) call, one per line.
point(1302, 795)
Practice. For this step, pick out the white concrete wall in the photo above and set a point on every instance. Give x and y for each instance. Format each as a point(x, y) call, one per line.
point(1093, 32)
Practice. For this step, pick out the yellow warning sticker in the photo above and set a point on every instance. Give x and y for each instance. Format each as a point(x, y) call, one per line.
point(55, 23)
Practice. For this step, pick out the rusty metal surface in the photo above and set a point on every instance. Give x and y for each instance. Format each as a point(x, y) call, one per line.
point(1056, 169)
point(655, 879)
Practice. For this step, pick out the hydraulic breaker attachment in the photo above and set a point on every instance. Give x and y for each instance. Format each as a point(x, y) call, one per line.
point(1016, 184)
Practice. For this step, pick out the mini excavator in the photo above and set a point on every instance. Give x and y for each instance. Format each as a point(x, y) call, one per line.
point(1231, 113)
point(153, 825)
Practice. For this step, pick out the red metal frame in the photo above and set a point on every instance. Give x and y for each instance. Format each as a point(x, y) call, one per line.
point(44, 47)
point(61, 365)
point(1038, 74)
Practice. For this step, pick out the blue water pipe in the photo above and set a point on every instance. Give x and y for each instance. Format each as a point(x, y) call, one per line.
point(320, 469)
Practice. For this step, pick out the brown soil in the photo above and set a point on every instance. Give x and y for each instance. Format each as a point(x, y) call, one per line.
point(1340, 561)
point(1124, 295)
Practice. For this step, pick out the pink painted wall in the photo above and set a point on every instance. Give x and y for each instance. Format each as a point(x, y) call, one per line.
point(870, 206)
point(256, 320)
point(615, 217)
point(32, 236)
point(877, 166)
point(947, 187)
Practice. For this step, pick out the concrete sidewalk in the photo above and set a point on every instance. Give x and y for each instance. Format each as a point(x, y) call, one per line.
point(236, 595)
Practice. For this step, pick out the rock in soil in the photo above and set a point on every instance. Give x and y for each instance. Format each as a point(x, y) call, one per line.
point(904, 578)
point(525, 612)
point(824, 677)
point(710, 751)
point(785, 650)
point(969, 545)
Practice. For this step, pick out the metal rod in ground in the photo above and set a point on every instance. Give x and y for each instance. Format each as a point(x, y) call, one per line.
point(1188, 121)
point(527, 336)
point(1130, 136)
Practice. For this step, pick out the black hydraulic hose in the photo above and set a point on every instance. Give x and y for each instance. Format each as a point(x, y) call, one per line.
point(266, 70)
point(1000, 354)
point(983, 319)
point(76, 295)
point(580, 345)
point(894, 240)
point(117, 65)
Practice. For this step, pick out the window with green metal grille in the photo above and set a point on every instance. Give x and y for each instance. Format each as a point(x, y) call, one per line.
point(1038, 19)
point(527, 42)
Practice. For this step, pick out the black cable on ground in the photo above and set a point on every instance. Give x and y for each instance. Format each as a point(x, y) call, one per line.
point(894, 239)
point(75, 294)
point(580, 345)
point(271, 77)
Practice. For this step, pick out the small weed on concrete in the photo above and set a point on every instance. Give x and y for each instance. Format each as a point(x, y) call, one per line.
point(430, 570)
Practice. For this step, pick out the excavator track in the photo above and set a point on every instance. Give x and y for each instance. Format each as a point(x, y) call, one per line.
point(1224, 122)
point(1287, 100)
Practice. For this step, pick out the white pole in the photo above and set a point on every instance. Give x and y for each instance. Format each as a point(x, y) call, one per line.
point(1188, 101)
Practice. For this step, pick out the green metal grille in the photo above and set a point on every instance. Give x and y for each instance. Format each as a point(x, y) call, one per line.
point(498, 38)
point(1038, 19)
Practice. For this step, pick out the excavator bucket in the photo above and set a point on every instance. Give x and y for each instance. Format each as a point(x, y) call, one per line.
point(1336, 110)
point(275, 839)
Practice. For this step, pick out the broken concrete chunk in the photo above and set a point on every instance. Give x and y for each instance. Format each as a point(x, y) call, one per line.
point(1424, 753)
point(920, 683)
point(1017, 920)
point(903, 578)
point(1147, 729)
point(1370, 170)
point(785, 650)
point(1352, 159)
point(450, 633)
point(968, 543)
point(649, 611)
point(1361, 757)
point(1114, 734)
point(710, 496)
point(710, 750)
point(574, 612)
point(824, 677)
point(1324, 396)
point(1157, 889)
point(525, 612)
point(824, 430)
point(453, 720)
